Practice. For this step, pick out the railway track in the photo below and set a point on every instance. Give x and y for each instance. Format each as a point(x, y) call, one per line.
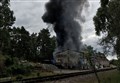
point(56, 77)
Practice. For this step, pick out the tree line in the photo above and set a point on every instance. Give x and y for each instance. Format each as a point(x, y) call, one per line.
point(18, 42)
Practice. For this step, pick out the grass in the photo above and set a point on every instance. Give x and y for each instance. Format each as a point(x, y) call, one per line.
point(31, 75)
point(105, 77)
point(110, 77)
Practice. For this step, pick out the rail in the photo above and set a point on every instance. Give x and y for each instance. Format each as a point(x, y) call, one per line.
point(56, 77)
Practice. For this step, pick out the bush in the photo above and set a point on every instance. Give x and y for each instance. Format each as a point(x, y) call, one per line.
point(118, 64)
point(9, 61)
point(2, 64)
point(20, 69)
point(38, 74)
point(19, 77)
point(16, 70)
point(11, 66)
point(4, 73)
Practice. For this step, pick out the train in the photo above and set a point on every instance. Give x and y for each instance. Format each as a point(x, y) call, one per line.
point(78, 60)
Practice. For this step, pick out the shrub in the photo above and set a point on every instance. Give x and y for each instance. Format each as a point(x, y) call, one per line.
point(118, 64)
point(9, 61)
point(38, 74)
point(19, 77)
point(20, 69)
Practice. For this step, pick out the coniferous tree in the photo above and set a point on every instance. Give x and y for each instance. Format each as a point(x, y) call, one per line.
point(24, 43)
point(46, 45)
point(33, 47)
point(6, 20)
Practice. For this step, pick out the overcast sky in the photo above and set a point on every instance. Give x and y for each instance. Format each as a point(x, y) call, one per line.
point(28, 13)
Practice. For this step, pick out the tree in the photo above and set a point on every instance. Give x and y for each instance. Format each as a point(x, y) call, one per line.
point(24, 44)
point(5, 40)
point(6, 15)
point(33, 47)
point(6, 20)
point(107, 21)
point(45, 44)
point(19, 42)
point(114, 62)
point(14, 39)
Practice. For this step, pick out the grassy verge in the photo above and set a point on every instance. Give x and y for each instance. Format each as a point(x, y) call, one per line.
point(14, 69)
point(105, 77)
point(110, 77)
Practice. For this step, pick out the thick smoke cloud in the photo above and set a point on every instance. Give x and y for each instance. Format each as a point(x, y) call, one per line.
point(66, 16)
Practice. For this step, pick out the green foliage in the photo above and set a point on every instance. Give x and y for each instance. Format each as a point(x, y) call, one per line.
point(6, 20)
point(10, 60)
point(10, 66)
point(114, 62)
point(107, 21)
point(20, 44)
point(17, 42)
point(33, 47)
point(104, 2)
point(6, 15)
point(20, 69)
point(46, 45)
point(19, 77)
point(2, 64)
point(118, 64)
point(17, 70)
point(38, 74)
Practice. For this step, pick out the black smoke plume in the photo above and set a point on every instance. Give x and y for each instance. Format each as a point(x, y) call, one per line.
point(66, 16)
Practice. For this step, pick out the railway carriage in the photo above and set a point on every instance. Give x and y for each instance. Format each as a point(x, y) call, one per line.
point(77, 60)
point(71, 59)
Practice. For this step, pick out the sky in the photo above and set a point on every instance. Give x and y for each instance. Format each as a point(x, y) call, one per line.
point(28, 13)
